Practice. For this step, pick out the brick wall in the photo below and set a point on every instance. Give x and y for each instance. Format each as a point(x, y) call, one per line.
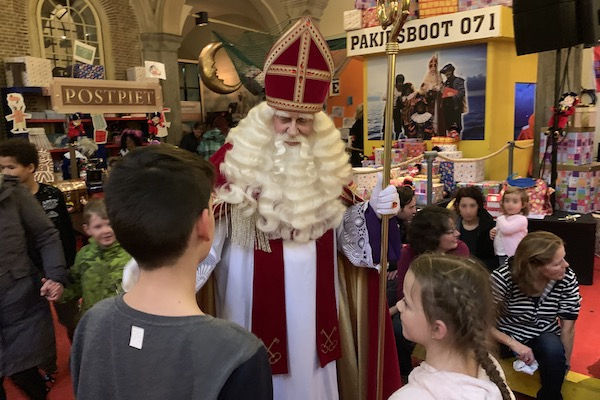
point(14, 39)
point(125, 35)
point(122, 27)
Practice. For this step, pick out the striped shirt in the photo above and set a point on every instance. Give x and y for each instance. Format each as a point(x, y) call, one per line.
point(525, 317)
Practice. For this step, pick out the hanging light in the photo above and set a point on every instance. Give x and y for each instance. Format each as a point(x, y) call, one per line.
point(201, 18)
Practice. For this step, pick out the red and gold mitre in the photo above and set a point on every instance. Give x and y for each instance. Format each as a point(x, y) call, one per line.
point(298, 69)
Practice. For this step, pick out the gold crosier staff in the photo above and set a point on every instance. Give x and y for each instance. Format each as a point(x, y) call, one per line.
point(388, 13)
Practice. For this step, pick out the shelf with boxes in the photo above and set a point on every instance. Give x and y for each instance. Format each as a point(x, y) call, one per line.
point(45, 94)
point(55, 125)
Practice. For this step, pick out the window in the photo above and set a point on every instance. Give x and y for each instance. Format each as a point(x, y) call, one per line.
point(189, 83)
point(64, 21)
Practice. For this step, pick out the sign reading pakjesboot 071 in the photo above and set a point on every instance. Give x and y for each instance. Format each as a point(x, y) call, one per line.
point(468, 26)
point(96, 96)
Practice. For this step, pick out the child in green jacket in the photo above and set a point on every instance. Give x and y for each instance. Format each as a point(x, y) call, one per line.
point(98, 268)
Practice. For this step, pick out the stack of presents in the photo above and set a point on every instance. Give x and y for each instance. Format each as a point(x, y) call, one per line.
point(578, 181)
point(364, 14)
point(38, 72)
point(447, 175)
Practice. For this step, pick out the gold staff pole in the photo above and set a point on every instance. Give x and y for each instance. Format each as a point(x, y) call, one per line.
point(389, 14)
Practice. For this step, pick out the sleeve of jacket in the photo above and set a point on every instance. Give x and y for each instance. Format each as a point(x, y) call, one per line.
point(67, 234)
point(44, 234)
point(73, 290)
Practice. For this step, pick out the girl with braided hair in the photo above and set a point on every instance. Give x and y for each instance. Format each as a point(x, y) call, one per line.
point(448, 308)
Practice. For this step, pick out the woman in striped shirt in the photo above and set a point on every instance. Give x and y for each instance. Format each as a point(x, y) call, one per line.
point(538, 298)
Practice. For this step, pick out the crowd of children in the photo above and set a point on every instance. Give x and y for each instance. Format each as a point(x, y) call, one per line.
point(443, 293)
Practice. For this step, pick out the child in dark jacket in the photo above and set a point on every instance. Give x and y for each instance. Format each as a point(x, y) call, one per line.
point(474, 225)
point(26, 329)
point(19, 158)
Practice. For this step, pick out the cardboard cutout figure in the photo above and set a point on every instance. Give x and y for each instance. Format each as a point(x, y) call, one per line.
point(18, 116)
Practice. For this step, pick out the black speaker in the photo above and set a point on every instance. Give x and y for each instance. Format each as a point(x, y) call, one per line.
point(588, 19)
point(542, 25)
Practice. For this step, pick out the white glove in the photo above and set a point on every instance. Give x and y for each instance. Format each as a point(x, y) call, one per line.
point(131, 274)
point(386, 201)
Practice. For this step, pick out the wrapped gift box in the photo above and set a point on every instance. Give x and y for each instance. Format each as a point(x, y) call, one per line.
point(398, 155)
point(369, 17)
point(464, 5)
point(430, 8)
point(365, 180)
point(352, 20)
point(447, 147)
point(364, 4)
point(139, 74)
point(443, 140)
point(414, 149)
point(87, 71)
point(576, 148)
point(584, 117)
point(438, 194)
point(420, 183)
point(492, 204)
point(578, 191)
point(435, 167)
point(27, 71)
point(486, 187)
point(450, 154)
point(471, 171)
point(447, 176)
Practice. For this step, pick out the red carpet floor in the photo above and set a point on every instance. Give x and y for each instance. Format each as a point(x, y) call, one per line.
point(62, 389)
point(585, 359)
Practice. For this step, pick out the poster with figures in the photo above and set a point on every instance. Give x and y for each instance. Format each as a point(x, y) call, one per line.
point(436, 93)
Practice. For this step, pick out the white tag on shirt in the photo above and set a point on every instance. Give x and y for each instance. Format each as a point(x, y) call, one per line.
point(137, 337)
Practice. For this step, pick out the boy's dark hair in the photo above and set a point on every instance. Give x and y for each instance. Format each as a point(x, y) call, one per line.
point(427, 227)
point(154, 197)
point(469, 191)
point(94, 207)
point(23, 152)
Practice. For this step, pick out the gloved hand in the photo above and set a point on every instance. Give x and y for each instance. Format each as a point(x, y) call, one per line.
point(386, 201)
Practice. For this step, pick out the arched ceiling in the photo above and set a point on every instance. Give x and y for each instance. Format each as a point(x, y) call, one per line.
point(261, 15)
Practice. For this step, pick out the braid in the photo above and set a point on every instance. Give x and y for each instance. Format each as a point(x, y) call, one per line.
point(483, 358)
point(457, 291)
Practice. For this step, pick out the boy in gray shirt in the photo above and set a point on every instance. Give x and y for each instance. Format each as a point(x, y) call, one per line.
point(154, 342)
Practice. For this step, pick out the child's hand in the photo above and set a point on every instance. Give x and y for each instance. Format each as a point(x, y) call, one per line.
point(493, 232)
point(51, 290)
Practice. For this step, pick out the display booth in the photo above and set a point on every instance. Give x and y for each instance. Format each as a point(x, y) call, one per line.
point(479, 45)
point(460, 86)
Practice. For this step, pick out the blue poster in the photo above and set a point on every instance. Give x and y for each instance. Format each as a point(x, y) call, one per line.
point(524, 108)
point(436, 93)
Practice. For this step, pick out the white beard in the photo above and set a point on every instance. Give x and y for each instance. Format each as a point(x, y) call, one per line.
point(293, 190)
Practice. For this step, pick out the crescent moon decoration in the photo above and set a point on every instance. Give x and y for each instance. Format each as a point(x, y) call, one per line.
point(208, 71)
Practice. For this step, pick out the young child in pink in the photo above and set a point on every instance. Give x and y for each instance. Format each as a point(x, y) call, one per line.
point(448, 309)
point(511, 226)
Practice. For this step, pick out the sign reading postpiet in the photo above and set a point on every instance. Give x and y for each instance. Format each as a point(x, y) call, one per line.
point(472, 25)
point(96, 96)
